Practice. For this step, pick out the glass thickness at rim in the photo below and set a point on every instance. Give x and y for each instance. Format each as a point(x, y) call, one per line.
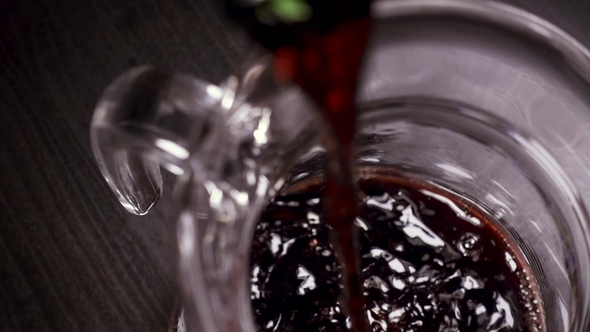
point(495, 14)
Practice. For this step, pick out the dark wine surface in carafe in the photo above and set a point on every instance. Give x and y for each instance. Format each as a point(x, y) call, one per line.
point(431, 261)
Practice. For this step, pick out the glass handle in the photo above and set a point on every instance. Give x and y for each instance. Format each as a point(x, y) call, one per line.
point(147, 119)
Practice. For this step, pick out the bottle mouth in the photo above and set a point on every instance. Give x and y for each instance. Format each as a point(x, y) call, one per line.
point(505, 124)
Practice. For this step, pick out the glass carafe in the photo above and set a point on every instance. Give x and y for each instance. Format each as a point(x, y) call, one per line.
point(479, 98)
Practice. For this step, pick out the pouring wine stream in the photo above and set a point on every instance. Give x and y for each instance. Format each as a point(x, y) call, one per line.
point(319, 45)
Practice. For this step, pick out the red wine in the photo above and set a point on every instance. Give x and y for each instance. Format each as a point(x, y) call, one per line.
point(431, 261)
point(319, 44)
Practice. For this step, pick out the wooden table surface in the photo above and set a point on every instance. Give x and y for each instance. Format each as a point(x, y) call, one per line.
point(70, 258)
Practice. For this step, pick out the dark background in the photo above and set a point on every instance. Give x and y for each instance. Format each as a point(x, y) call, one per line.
point(70, 258)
